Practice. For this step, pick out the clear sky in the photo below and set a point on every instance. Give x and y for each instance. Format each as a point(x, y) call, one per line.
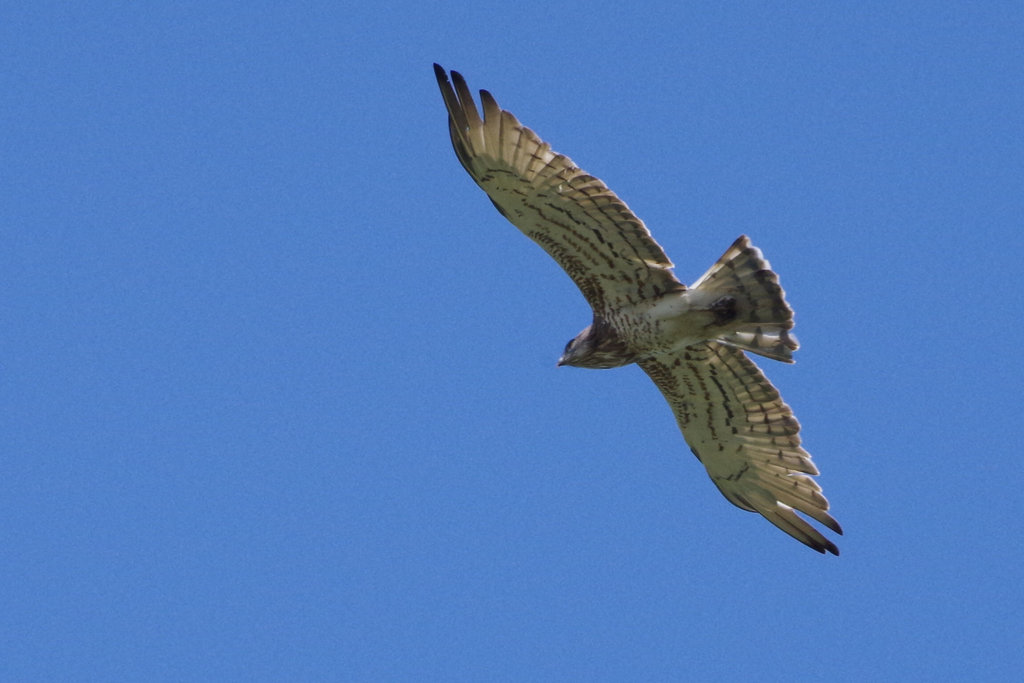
point(278, 393)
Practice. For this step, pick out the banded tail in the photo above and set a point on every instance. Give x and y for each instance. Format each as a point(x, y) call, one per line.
point(762, 319)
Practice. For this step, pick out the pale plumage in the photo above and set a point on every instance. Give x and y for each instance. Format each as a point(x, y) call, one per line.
point(690, 341)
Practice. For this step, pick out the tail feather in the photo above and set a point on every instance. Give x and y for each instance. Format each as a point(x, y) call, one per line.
point(763, 318)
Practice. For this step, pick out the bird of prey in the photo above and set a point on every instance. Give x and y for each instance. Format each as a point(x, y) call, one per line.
point(689, 340)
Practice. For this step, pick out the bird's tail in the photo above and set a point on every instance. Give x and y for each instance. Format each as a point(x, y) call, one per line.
point(753, 303)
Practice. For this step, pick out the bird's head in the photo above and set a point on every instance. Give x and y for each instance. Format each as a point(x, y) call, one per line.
point(578, 349)
point(597, 346)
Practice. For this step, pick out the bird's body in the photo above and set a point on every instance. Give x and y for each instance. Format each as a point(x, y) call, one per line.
point(668, 324)
point(690, 341)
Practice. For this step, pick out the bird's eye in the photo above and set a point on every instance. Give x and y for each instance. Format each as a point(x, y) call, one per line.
point(567, 345)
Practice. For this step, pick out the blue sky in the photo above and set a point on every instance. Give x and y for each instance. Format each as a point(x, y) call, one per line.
point(278, 384)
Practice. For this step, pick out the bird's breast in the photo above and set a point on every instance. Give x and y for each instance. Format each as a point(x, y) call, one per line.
point(671, 322)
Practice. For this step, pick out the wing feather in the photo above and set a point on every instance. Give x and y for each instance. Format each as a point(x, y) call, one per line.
point(584, 226)
point(737, 424)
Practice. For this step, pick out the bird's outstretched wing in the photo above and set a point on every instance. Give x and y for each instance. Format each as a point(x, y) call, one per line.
point(737, 425)
point(590, 232)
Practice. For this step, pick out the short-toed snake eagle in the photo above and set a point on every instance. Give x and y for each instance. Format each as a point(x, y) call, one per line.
point(689, 340)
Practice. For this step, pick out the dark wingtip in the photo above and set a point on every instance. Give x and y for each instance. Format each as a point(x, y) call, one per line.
point(831, 548)
point(488, 101)
point(458, 80)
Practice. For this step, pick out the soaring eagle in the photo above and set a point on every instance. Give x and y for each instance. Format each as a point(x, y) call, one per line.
point(689, 340)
